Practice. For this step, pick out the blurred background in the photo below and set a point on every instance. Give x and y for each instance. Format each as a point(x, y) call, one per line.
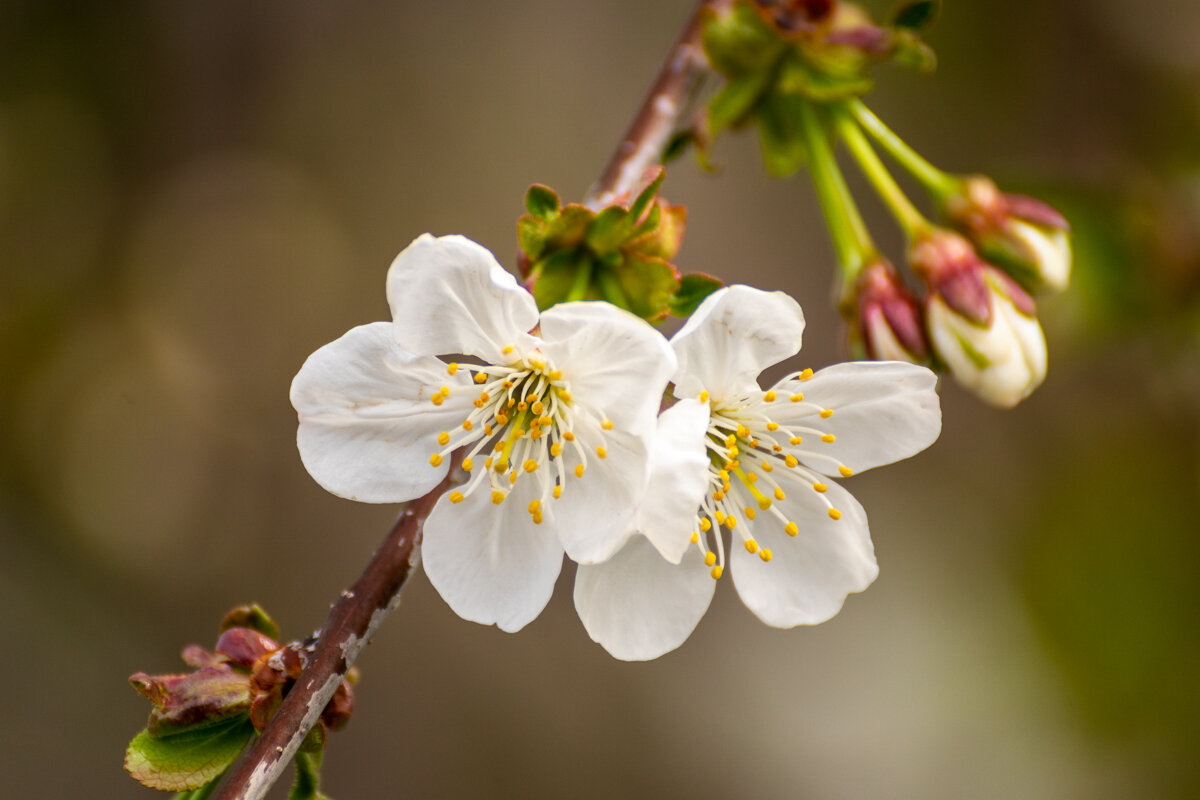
point(194, 196)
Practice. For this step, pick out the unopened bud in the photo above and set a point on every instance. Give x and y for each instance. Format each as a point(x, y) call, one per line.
point(889, 316)
point(981, 323)
point(1022, 235)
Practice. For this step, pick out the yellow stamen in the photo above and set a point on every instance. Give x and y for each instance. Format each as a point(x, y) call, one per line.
point(772, 426)
point(557, 492)
point(703, 397)
point(790, 460)
point(769, 397)
point(826, 413)
point(790, 529)
point(436, 459)
point(607, 424)
point(797, 397)
point(530, 465)
point(718, 495)
point(750, 512)
point(779, 495)
point(829, 438)
point(437, 399)
point(468, 464)
point(569, 436)
point(716, 572)
point(467, 425)
point(835, 514)
point(508, 348)
point(808, 373)
point(534, 505)
point(695, 537)
point(751, 546)
point(451, 368)
point(768, 467)
point(710, 558)
point(819, 487)
point(556, 449)
point(795, 440)
point(456, 497)
point(579, 470)
point(554, 375)
point(497, 496)
point(538, 408)
point(600, 451)
point(537, 518)
point(564, 395)
point(845, 471)
point(444, 438)
point(705, 525)
point(446, 391)
point(730, 521)
point(481, 377)
point(765, 554)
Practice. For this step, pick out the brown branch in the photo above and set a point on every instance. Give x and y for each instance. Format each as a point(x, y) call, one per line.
point(650, 132)
point(357, 613)
point(350, 624)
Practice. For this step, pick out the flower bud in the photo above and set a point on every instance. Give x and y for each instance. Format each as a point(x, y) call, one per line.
point(1022, 235)
point(981, 323)
point(888, 323)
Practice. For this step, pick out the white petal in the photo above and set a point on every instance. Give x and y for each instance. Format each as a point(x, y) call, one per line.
point(449, 295)
point(1051, 249)
point(809, 576)
point(490, 563)
point(615, 362)
point(594, 516)
point(736, 333)
point(367, 425)
point(678, 478)
point(639, 606)
point(883, 411)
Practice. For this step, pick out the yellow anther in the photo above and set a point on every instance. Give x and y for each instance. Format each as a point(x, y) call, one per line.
point(508, 348)
point(730, 521)
point(764, 503)
point(444, 438)
point(579, 470)
point(743, 432)
point(554, 375)
point(521, 406)
point(790, 529)
point(720, 516)
point(705, 525)
point(452, 368)
point(512, 477)
point(777, 448)
point(731, 440)
point(607, 424)
point(723, 474)
point(545, 420)
point(772, 426)
point(497, 496)
point(600, 451)
point(695, 537)
point(732, 452)
point(530, 465)
point(820, 488)
point(779, 495)
point(478, 403)
point(703, 397)
point(456, 497)
point(752, 477)
point(710, 558)
point(488, 429)
point(437, 399)
point(845, 471)
point(768, 467)
point(806, 374)
point(436, 459)
point(501, 418)
point(716, 572)
point(538, 408)
point(565, 396)
point(534, 505)
point(488, 463)
point(765, 554)
point(468, 464)
point(556, 449)
point(790, 460)
point(797, 397)
point(750, 512)
point(537, 518)
point(795, 440)
point(481, 377)
point(828, 438)
point(751, 546)
point(835, 514)
point(446, 391)
point(569, 436)
point(826, 413)
point(557, 492)
point(512, 401)
point(507, 384)
point(718, 495)
point(484, 396)
point(467, 425)
point(769, 397)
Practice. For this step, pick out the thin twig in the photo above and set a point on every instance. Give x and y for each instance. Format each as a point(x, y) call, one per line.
point(351, 623)
point(650, 132)
point(357, 613)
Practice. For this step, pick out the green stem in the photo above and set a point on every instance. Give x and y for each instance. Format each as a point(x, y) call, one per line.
point(936, 182)
point(851, 239)
point(910, 219)
point(583, 280)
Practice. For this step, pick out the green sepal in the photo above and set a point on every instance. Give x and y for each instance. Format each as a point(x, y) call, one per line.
point(740, 41)
point(780, 135)
point(314, 741)
point(647, 195)
point(531, 236)
point(253, 617)
point(541, 201)
point(911, 52)
point(733, 105)
point(918, 15)
point(608, 230)
point(649, 283)
point(822, 85)
point(665, 238)
point(691, 293)
point(183, 762)
point(307, 784)
point(551, 280)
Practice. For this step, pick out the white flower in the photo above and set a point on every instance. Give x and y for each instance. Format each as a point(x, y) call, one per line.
point(554, 424)
point(760, 465)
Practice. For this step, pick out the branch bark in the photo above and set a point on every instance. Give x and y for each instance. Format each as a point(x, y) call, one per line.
point(358, 612)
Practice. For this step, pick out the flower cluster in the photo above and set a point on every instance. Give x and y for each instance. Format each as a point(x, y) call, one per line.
point(556, 419)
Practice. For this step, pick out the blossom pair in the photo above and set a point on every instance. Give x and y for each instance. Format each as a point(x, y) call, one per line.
point(556, 418)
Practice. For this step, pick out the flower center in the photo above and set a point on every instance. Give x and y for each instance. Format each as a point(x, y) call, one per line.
point(745, 448)
point(525, 425)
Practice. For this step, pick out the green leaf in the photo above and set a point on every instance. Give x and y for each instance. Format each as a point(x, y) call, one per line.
point(740, 41)
point(567, 229)
point(307, 785)
point(917, 15)
point(781, 136)
point(608, 230)
point(531, 235)
point(541, 201)
point(735, 102)
point(679, 142)
point(638, 207)
point(649, 284)
point(691, 293)
point(253, 617)
point(554, 277)
point(822, 84)
point(185, 761)
point(911, 52)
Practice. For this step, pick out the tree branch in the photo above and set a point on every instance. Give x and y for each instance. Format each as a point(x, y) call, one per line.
point(358, 612)
point(650, 132)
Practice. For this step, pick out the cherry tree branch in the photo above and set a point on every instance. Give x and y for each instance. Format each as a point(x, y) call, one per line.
point(656, 119)
point(359, 611)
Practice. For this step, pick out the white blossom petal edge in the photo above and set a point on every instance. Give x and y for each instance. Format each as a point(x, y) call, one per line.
point(800, 542)
point(554, 423)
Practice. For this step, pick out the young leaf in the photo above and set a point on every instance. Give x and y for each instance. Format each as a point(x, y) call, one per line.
point(692, 291)
point(608, 230)
point(252, 617)
point(647, 196)
point(917, 15)
point(185, 761)
point(541, 201)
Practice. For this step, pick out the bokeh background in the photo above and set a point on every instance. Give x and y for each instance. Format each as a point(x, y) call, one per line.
point(194, 196)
